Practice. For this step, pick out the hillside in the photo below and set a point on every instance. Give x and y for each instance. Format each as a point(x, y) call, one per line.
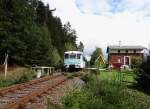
point(30, 34)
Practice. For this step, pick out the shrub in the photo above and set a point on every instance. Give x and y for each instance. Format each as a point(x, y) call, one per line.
point(75, 74)
point(143, 76)
point(135, 62)
point(86, 78)
point(25, 77)
point(70, 76)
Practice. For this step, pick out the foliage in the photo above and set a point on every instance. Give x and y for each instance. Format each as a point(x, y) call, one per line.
point(143, 76)
point(17, 77)
point(69, 47)
point(96, 59)
point(74, 74)
point(81, 47)
point(126, 76)
point(105, 94)
point(55, 57)
point(102, 95)
point(25, 77)
point(30, 34)
point(86, 78)
point(135, 62)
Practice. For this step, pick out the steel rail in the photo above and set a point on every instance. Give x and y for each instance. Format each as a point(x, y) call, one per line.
point(23, 85)
point(20, 102)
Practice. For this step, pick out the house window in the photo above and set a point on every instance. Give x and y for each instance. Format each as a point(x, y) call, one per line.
point(134, 51)
point(126, 51)
point(118, 51)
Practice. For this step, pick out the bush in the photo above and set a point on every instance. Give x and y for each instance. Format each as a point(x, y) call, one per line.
point(135, 62)
point(86, 78)
point(143, 76)
point(70, 76)
point(90, 76)
point(25, 78)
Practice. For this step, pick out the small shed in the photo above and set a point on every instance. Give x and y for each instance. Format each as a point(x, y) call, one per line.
point(41, 70)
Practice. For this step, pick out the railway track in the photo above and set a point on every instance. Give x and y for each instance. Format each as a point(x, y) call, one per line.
point(17, 96)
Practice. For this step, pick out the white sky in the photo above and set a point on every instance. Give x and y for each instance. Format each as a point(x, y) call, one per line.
point(105, 22)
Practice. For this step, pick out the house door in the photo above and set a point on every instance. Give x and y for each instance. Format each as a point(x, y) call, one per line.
point(127, 60)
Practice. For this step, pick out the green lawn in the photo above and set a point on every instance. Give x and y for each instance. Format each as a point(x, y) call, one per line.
point(127, 76)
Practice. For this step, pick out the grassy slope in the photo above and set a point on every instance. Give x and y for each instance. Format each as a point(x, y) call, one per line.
point(15, 76)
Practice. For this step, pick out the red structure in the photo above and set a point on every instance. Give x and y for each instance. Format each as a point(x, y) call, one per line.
point(119, 56)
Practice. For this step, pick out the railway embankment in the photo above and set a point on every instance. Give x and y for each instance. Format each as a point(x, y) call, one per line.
point(38, 93)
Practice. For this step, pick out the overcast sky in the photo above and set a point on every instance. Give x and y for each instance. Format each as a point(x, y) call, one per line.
point(105, 22)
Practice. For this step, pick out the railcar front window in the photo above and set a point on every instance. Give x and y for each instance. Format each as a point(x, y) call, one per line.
point(66, 56)
point(78, 56)
point(72, 56)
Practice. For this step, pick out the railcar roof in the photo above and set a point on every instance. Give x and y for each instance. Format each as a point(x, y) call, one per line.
point(69, 52)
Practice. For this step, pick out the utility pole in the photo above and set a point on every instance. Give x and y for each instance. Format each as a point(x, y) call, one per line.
point(5, 63)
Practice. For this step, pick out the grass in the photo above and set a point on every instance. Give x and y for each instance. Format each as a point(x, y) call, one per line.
point(127, 76)
point(104, 94)
point(19, 75)
point(73, 74)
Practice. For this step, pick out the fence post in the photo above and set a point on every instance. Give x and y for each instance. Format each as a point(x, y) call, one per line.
point(5, 63)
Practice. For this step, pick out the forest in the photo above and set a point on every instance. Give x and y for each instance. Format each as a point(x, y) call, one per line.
point(31, 35)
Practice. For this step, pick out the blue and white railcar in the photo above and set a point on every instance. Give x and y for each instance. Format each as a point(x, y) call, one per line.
point(74, 60)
